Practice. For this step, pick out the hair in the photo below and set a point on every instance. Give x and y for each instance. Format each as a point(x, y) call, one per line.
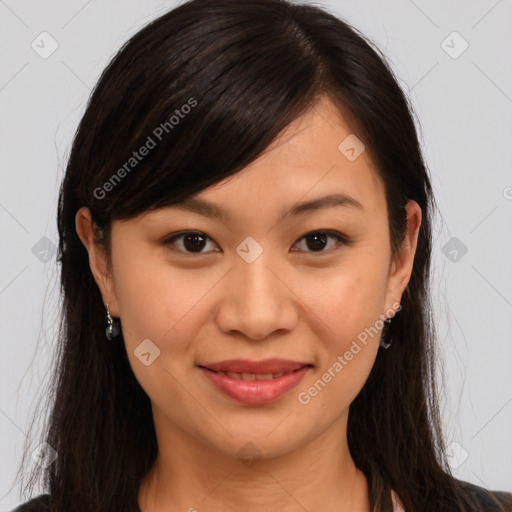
point(245, 70)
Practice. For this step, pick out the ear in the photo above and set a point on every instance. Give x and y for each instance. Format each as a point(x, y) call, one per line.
point(98, 260)
point(401, 266)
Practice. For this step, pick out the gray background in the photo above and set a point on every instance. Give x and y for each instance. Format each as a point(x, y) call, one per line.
point(464, 105)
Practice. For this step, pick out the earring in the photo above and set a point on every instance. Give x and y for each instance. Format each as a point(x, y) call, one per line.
point(113, 326)
point(382, 342)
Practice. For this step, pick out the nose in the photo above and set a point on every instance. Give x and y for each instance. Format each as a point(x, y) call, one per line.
point(257, 300)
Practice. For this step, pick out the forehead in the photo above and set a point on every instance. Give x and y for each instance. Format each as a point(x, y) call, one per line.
point(308, 159)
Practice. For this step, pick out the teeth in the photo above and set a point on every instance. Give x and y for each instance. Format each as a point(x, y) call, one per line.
point(254, 376)
point(264, 376)
point(241, 376)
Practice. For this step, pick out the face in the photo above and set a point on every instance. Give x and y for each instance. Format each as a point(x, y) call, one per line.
point(268, 279)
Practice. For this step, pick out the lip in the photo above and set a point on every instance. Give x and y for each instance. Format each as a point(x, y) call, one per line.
point(255, 392)
point(274, 365)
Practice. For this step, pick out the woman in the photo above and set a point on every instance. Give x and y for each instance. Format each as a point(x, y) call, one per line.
point(245, 240)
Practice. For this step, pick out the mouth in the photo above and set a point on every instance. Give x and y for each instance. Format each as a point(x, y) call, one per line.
point(269, 368)
point(255, 376)
point(259, 382)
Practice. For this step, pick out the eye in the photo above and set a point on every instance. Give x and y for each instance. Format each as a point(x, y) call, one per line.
point(317, 240)
point(193, 242)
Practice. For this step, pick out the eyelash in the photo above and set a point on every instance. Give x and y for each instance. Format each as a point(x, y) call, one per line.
point(341, 240)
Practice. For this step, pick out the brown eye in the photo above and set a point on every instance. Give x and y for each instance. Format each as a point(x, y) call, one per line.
point(190, 242)
point(194, 242)
point(316, 241)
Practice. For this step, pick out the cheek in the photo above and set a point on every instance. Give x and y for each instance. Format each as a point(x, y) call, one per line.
point(347, 354)
point(157, 306)
point(355, 321)
point(159, 303)
point(139, 296)
point(349, 299)
point(350, 305)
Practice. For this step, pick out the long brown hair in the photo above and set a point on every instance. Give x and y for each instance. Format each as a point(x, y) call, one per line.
point(246, 69)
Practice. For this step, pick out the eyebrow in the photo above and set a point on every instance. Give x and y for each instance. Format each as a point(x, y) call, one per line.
point(209, 209)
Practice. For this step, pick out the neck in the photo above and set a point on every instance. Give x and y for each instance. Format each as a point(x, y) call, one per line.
point(189, 475)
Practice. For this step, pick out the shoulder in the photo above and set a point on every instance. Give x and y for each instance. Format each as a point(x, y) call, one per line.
point(488, 500)
point(39, 504)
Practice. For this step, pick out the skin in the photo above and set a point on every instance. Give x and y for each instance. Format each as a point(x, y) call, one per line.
point(293, 302)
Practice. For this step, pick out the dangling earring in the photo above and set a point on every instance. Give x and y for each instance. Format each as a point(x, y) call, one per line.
point(113, 326)
point(382, 342)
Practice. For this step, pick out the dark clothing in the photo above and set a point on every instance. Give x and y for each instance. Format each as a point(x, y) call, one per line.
point(490, 501)
point(39, 504)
